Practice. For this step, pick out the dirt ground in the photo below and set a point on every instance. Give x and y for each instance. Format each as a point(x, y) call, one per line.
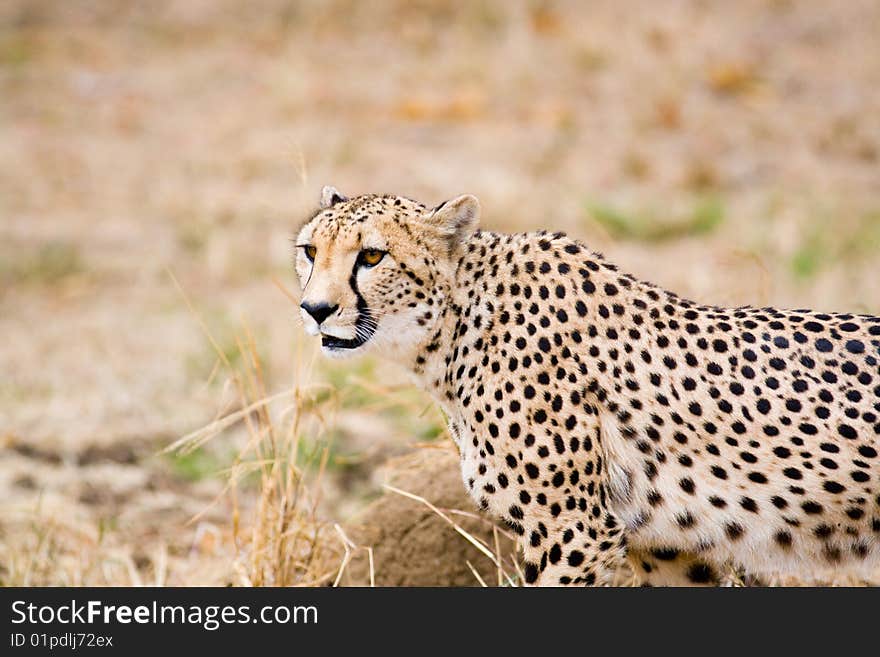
point(412, 544)
point(155, 159)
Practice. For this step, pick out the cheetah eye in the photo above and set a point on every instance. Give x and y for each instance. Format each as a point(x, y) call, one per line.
point(310, 251)
point(371, 257)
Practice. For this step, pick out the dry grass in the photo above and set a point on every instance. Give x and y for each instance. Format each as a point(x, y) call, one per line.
point(283, 543)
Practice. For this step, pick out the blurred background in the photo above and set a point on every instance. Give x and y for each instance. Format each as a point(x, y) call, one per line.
point(156, 157)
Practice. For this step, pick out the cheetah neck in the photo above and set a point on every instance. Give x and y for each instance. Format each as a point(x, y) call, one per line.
point(472, 314)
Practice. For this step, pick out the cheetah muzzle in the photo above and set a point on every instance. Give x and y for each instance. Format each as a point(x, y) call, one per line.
point(602, 418)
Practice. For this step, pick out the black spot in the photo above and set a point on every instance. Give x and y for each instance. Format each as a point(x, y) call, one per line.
point(811, 508)
point(855, 346)
point(823, 531)
point(833, 487)
point(793, 473)
point(783, 538)
point(847, 432)
point(665, 554)
point(734, 530)
point(575, 558)
point(685, 520)
point(700, 573)
point(778, 502)
point(531, 573)
point(831, 553)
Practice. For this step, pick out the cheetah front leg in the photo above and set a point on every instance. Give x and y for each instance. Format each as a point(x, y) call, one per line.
point(665, 567)
point(575, 550)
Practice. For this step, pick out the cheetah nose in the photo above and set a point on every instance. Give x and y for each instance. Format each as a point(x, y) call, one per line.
point(319, 311)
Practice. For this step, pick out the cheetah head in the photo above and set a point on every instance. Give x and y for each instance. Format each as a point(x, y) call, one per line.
point(376, 271)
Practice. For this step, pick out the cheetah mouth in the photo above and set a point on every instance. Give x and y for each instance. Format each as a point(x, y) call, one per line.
point(340, 344)
point(364, 328)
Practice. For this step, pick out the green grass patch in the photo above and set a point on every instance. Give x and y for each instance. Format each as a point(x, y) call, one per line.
point(645, 225)
point(16, 49)
point(828, 241)
point(197, 465)
point(808, 258)
point(50, 263)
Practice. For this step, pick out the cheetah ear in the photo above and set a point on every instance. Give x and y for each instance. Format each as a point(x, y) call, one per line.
point(330, 196)
point(456, 219)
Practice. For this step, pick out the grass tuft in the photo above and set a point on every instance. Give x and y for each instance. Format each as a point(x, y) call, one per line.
point(280, 541)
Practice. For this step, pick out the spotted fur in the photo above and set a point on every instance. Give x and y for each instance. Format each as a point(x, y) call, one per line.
point(603, 418)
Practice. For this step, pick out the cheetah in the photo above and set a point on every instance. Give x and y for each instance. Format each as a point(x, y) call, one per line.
point(605, 420)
